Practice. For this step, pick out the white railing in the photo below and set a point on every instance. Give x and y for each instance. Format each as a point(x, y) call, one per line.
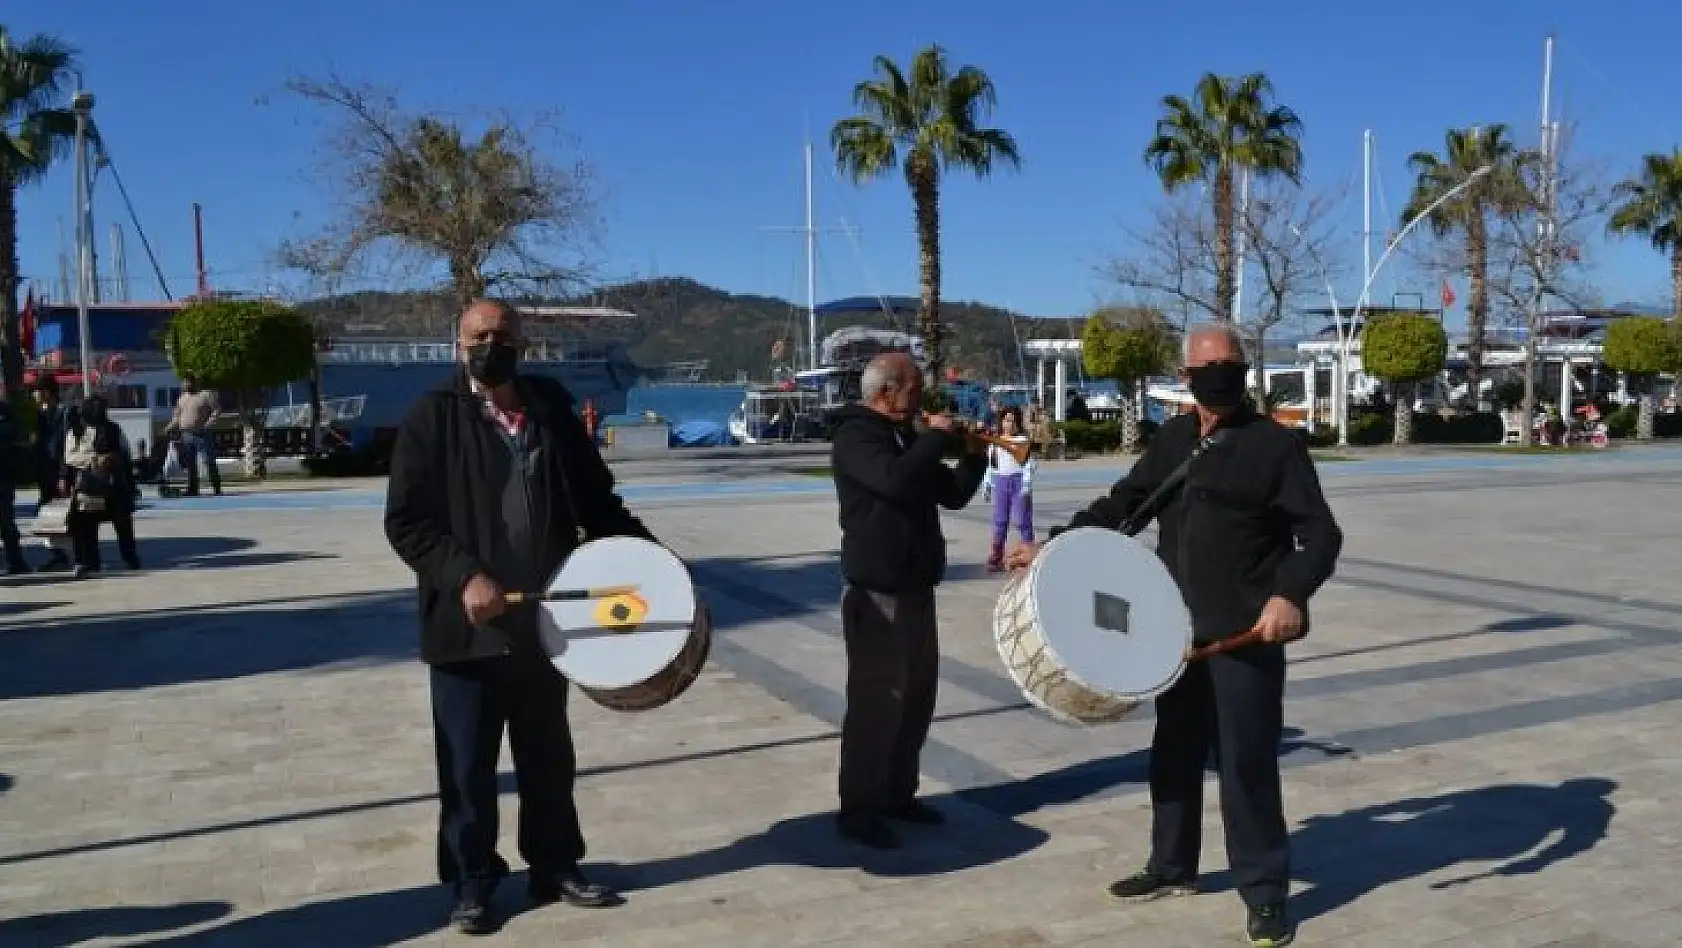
point(334, 411)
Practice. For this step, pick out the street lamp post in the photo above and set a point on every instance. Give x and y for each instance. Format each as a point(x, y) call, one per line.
point(1346, 336)
point(82, 104)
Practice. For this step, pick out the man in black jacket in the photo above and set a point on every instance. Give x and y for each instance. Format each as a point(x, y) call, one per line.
point(493, 483)
point(1249, 539)
point(890, 482)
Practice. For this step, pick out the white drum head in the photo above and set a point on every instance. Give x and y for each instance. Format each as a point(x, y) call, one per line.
point(1111, 612)
point(587, 649)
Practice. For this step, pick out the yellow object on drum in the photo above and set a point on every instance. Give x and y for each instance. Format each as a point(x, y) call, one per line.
point(640, 641)
point(621, 612)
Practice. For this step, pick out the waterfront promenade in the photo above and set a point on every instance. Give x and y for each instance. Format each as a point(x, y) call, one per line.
point(232, 748)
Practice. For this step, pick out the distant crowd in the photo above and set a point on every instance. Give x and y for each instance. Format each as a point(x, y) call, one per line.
point(86, 474)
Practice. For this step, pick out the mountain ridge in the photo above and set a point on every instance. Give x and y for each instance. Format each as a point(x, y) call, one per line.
point(680, 319)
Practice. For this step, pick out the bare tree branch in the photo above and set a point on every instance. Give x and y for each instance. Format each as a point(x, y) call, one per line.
point(1170, 263)
point(419, 193)
point(1289, 234)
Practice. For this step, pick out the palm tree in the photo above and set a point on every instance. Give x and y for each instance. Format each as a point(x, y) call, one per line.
point(1228, 125)
point(927, 118)
point(35, 128)
point(1502, 190)
point(1652, 208)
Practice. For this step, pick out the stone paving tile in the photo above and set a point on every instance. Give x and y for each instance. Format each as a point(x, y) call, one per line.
point(234, 749)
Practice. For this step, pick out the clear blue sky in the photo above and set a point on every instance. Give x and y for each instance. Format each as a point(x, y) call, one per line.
point(694, 114)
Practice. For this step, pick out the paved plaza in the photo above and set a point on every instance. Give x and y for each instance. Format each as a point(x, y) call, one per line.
point(233, 747)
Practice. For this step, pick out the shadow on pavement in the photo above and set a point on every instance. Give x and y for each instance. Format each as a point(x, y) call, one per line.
point(1345, 856)
point(170, 647)
point(62, 929)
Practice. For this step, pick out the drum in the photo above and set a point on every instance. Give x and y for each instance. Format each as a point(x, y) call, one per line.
point(621, 621)
point(1093, 628)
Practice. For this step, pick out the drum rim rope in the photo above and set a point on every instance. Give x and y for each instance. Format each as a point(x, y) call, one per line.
point(1035, 677)
point(1022, 586)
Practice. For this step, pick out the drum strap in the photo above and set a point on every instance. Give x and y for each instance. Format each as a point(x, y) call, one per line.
point(1159, 498)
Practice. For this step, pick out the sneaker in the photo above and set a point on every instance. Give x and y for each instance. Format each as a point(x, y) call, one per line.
point(1145, 885)
point(472, 916)
point(1270, 927)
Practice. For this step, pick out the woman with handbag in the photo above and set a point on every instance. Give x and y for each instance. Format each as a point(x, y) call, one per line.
point(99, 480)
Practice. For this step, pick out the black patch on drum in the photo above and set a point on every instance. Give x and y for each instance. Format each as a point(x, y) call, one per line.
point(1110, 612)
point(620, 611)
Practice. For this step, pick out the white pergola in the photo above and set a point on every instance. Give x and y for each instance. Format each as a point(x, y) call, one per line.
point(1059, 352)
point(1566, 354)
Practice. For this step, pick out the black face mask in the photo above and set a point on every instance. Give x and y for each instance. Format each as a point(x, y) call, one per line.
point(1218, 385)
point(492, 363)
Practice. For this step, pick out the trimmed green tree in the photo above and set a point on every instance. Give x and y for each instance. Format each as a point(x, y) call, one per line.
point(247, 348)
point(1641, 347)
point(1126, 346)
point(1403, 349)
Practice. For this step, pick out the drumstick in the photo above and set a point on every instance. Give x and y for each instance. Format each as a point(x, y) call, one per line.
point(568, 595)
point(1224, 645)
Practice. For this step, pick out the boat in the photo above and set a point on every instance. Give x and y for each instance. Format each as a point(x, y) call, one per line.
point(774, 413)
point(368, 380)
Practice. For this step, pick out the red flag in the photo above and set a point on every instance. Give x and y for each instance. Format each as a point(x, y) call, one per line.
point(26, 326)
point(1448, 295)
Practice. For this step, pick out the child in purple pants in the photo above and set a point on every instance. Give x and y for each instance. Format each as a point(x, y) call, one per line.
point(1010, 486)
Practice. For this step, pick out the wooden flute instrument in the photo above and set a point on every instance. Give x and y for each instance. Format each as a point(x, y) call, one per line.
point(1018, 450)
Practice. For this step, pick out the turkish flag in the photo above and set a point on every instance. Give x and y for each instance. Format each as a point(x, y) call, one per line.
point(26, 326)
point(1448, 295)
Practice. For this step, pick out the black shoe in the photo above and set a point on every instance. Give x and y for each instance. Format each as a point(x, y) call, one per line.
point(917, 813)
point(1270, 926)
point(867, 830)
point(570, 886)
point(472, 916)
point(1145, 885)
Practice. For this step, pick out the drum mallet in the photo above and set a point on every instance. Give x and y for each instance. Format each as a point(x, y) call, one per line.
point(568, 595)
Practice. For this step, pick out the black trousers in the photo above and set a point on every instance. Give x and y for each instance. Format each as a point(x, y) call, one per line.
point(84, 535)
point(893, 675)
point(472, 702)
point(1233, 704)
point(9, 535)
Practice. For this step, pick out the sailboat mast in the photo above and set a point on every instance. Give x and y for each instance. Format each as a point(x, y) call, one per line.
point(1549, 142)
point(1366, 206)
point(811, 267)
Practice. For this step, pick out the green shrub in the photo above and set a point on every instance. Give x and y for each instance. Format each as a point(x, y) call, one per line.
point(1320, 436)
point(1092, 437)
point(1620, 421)
point(1509, 394)
point(1371, 428)
point(1475, 428)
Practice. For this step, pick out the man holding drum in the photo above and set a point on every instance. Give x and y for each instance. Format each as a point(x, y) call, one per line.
point(890, 482)
point(493, 483)
point(1249, 539)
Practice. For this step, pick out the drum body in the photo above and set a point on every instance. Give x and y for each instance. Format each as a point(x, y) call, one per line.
point(1093, 628)
point(630, 652)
